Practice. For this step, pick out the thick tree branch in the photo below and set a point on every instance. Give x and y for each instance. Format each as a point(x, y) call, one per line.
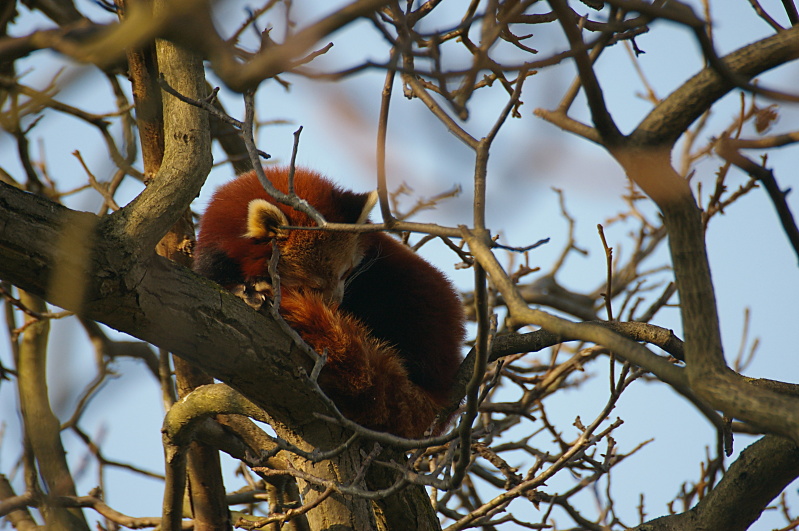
point(155, 300)
point(206, 487)
point(187, 155)
point(672, 117)
point(42, 427)
point(708, 374)
point(759, 474)
point(645, 156)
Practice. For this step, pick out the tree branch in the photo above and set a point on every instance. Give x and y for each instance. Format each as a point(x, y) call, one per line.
point(187, 155)
point(675, 114)
point(759, 474)
point(155, 300)
point(41, 426)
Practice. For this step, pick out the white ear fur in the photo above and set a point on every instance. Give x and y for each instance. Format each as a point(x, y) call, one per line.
point(264, 220)
point(371, 201)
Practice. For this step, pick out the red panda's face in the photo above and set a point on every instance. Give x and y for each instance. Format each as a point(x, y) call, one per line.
point(242, 221)
point(319, 261)
point(310, 260)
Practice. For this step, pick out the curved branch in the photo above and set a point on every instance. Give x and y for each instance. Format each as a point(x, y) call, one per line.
point(646, 158)
point(759, 474)
point(184, 416)
point(41, 426)
point(187, 155)
point(505, 345)
point(180, 424)
point(669, 119)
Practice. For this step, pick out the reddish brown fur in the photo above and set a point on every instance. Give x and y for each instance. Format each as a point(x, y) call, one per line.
point(394, 340)
point(225, 223)
point(364, 376)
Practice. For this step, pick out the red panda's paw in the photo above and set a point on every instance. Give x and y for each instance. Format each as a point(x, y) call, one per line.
point(254, 293)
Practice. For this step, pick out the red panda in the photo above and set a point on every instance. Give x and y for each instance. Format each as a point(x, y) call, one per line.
point(390, 322)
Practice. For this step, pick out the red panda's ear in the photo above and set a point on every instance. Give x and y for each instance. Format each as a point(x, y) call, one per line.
point(371, 201)
point(264, 220)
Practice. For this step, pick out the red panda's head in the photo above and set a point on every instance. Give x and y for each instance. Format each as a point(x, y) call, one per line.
point(242, 220)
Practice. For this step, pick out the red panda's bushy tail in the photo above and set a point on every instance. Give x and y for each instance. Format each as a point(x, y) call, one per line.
point(364, 376)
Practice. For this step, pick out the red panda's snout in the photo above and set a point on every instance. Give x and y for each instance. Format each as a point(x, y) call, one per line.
point(323, 263)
